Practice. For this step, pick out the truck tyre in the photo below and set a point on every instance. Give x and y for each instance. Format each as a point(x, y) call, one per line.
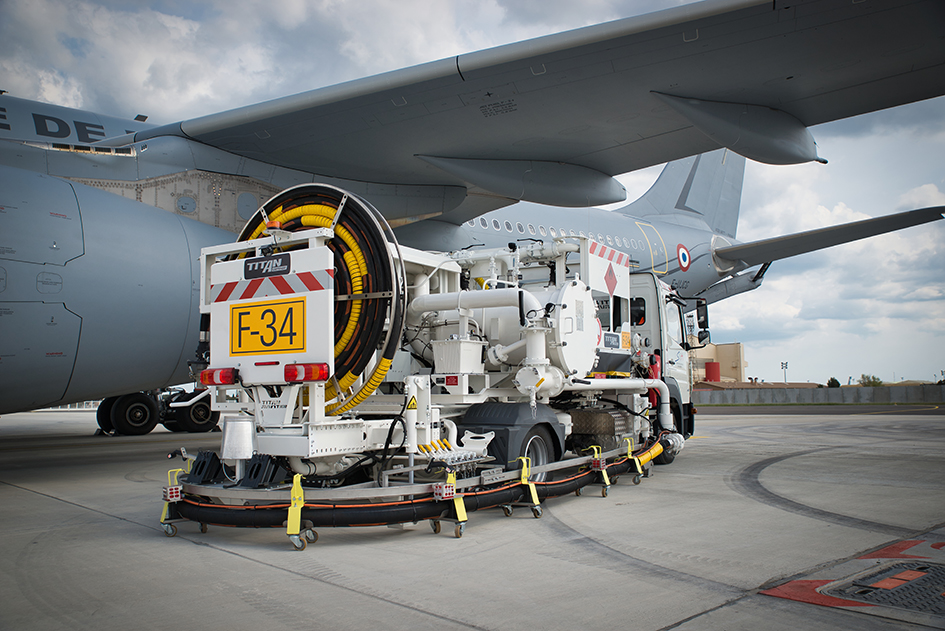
point(134, 414)
point(197, 418)
point(104, 414)
point(538, 446)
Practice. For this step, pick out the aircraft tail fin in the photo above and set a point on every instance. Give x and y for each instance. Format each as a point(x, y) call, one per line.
point(702, 189)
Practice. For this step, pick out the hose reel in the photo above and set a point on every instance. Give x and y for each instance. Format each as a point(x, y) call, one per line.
point(370, 286)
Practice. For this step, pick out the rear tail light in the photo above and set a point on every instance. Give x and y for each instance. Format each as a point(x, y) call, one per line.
point(297, 373)
point(219, 376)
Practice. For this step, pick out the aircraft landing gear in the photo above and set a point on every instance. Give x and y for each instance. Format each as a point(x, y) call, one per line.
point(138, 413)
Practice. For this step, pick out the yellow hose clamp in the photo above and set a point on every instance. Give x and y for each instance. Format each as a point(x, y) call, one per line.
point(458, 503)
point(526, 471)
point(630, 455)
point(599, 464)
point(295, 509)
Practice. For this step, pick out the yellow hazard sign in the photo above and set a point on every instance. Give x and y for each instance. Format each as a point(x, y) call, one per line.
point(413, 403)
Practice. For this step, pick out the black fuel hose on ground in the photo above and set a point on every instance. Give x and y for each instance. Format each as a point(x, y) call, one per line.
point(378, 514)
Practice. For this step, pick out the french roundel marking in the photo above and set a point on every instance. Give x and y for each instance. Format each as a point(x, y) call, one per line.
point(682, 255)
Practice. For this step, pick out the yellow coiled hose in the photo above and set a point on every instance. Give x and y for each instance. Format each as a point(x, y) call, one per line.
point(296, 210)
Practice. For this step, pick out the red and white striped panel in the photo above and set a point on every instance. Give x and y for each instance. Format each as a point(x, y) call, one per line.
point(609, 254)
point(273, 286)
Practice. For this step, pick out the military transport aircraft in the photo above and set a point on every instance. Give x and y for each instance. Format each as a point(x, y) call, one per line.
point(102, 219)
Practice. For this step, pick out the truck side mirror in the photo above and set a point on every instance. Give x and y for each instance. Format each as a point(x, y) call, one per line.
point(704, 336)
point(702, 316)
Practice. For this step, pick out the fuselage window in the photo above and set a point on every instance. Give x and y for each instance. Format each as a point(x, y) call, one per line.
point(554, 232)
point(626, 243)
point(609, 240)
point(508, 226)
point(471, 223)
point(483, 223)
point(581, 233)
point(600, 238)
point(531, 229)
point(572, 233)
point(541, 229)
point(521, 228)
point(495, 224)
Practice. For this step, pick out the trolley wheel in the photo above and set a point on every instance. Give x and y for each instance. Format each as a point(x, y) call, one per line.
point(435, 525)
point(604, 491)
point(459, 530)
point(170, 530)
point(310, 535)
point(204, 528)
point(536, 512)
point(297, 542)
point(507, 510)
point(637, 478)
point(578, 491)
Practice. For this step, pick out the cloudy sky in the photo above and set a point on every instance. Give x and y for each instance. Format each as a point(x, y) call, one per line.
point(875, 307)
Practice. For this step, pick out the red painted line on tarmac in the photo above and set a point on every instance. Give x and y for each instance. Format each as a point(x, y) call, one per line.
point(806, 592)
point(895, 551)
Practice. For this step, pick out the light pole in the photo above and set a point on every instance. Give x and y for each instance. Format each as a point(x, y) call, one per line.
point(784, 368)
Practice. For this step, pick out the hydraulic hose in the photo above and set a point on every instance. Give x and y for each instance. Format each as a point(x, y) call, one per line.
point(365, 272)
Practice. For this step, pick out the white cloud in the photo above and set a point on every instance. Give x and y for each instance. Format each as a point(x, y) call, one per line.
point(877, 306)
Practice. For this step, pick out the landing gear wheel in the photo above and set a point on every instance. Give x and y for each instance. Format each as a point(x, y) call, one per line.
point(104, 414)
point(435, 525)
point(170, 530)
point(197, 418)
point(538, 447)
point(459, 530)
point(134, 414)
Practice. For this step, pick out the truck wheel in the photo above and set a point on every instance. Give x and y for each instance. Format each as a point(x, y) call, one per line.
point(198, 417)
point(134, 414)
point(104, 414)
point(539, 447)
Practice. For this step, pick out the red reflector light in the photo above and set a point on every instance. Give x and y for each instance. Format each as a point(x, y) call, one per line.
point(297, 373)
point(219, 376)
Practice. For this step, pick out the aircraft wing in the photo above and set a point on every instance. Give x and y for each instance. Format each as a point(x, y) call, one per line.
point(552, 119)
point(777, 248)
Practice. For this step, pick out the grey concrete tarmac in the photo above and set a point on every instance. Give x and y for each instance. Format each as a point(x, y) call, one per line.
point(752, 501)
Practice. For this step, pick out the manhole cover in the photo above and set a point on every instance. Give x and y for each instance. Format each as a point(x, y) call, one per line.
point(916, 586)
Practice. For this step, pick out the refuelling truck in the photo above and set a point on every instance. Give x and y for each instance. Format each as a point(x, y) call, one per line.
point(363, 383)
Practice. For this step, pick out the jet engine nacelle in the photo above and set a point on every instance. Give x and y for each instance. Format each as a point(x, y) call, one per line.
point(98, 294)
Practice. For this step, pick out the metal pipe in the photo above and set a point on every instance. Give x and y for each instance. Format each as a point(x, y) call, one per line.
point(664, 415)
point(473, 300)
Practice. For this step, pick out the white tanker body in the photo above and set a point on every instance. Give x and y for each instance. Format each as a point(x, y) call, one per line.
point(353, 368)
